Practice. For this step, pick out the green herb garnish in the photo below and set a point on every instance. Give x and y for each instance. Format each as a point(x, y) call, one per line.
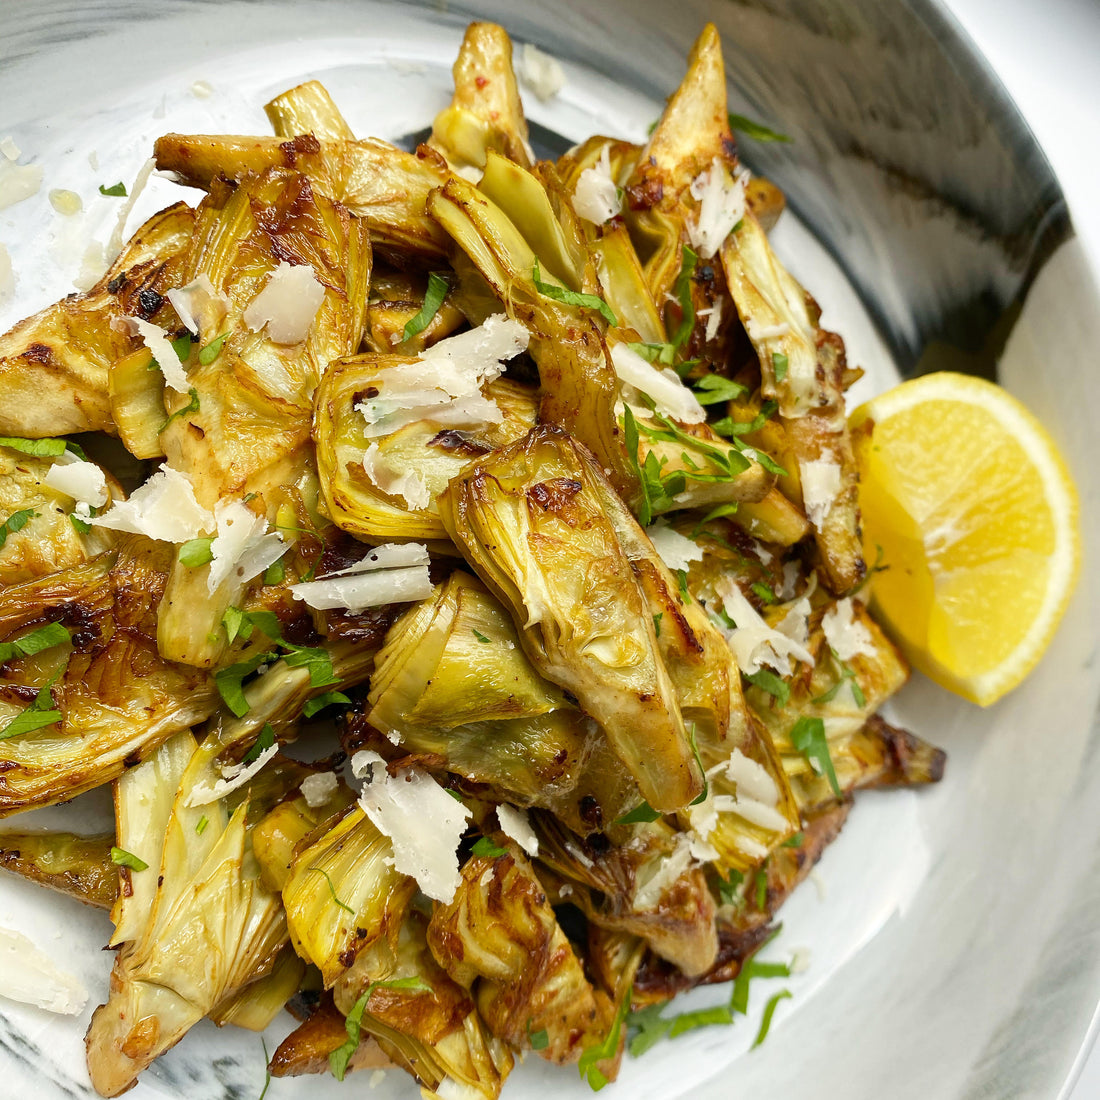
point(338, 1060)
point(573, 297)
point(485, 847)
point(640, 813)
point(769, 1012)
point(196, 552)
point(712, 389)
point(608, 1048)
point(779, 365)
point(265, 741)
point(39, 714)
point(211, 351)
point(772, 684)
point(539, 1040)
point(115, 191)
point(16, 522)
point(332, 889)
point(45, 637)
point(128, 859)
point(192, 406)
point(438, 285)
point(330, 698)
point(757, 131)
point(481, 637)
point(808, 737)
point(682, 291)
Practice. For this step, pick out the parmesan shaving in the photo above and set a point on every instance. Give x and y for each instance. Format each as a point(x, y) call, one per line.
point(758, 333)
point(820, 485)
point(9, 149)
point(408, 484)
point(156, 340)
point(721, 207)
point(234, 776)
point(200, 301)
point(164, 508)
point(30, 976)
point(675, 550)
point(424, 823)
point(202, 89)
point(541, 73)
point(7, 278)
point(752, 641)
point(319, 788)
point(671, 397)
point(389, 574)
point(514, 823)
point(714, 319)
point(846, 635)
point(649, 893)
point(287, 305)
point(18, 182)
point(66, 203)
point(243, 546)
point(596, 197)
point(795, 624)
point(752, 779)
point(114, 245)
point(83, 481)
point(444, 384)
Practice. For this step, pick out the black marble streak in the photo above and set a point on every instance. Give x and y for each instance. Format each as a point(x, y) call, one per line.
point(26, 1053)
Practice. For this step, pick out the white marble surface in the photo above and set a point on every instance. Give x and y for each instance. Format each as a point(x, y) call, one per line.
point(1047, 58)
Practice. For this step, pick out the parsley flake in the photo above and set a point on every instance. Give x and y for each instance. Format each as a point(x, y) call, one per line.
point(771, 683)
point(262, 743)
point(192, 406)
point(16, 522)
point(338, 1060)
point(779, 365)
point(681, 289)
point(608, 1048)
point(45, 637)
point(438, 285)
point(115, 191)
point(485, 847)
point(481, 637)
point(572, 297)
point(331, 888)
point(539, 1040)
point(713, 389)
point(757, 131)
point(196, 552)
point(40, 714)
point(328, 699)
point(127, 859)
point(808, 737)
point(640, 813)
point(211, 351)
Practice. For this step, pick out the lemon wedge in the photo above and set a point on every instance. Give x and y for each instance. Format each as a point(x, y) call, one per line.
point(977, 520)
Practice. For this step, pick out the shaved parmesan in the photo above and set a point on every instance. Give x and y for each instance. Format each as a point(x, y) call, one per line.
point(318, 789)
point(202, 89)
point(66, 203)
point(200, 301)
point(596, 197)
point(758, 333)
point(234, 776)
point(83, 481)
point(721, 207)
point(752, 641)
point(668, 392)
point(18, 182)
point(675, 550)
point(444, 384)
point(846, 635)
point(540, 72)
point(514, 823)
point(752, 779)
point(9, 149)
point(31, 977)
point(714, 319)
point(820, 485)
point(795, 624)
point(424, 823)
point(7, 278)
point(287, 305)
point(649, 893)
point(389, 574)
point(243, 545)
point(407, 484)
point(163, 508)
point(114, 245)
point(156, 340)
point(788, 586)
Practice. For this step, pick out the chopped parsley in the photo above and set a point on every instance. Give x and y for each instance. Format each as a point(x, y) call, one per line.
point(769, 1012)
point(771, 683)
point(539, 1040)
point(16, 522)
point(808, 738)
point(640, 813)
point(438, 285)
point(38, 715)
point(80, 525)
point(702, 796)
point(608, 1048)
point(654, 353)
point(657, 623)
point(757, 131)
point(572, 297)
point(115, 191)
point(779, 365)
point(338, 1060)
point(262, 743)
point(763, 591)
point(230, 680)
point(275, 573)
point(45, 637)
point(192, 406)
point(128, 859)
point(795, 841)
point(196, 552)
point(485, 847)
point(760, 886)
point(211, 351)
point(713, 389)
point(847, 674)
point(332, 889)
point(329, 699)
point(481, 637)
point(729, 889)
point(200, 827)
point(267, 1070)
point(41, 448)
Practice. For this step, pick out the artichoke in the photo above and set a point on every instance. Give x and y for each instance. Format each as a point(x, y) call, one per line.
point(79, 866)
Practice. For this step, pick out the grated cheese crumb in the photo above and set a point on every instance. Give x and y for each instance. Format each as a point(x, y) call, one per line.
point(541, 73)
point(318, 789)
point(820, 485)
point(596, 198)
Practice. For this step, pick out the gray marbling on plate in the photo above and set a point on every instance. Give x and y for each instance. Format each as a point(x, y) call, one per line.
point(956, 953)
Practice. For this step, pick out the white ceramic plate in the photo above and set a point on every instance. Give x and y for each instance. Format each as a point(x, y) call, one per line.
point(951, 932)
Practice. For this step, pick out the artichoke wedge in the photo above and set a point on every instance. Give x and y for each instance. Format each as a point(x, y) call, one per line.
point(210, 926)
point(781, 320)
point(530, 519)
point(343, 897)
point(53, 366)
point(48, 541)
point(116, 698)
point(430, 451)
point(426, 1023)
point(79, 866)
point(378, 183)
point(500, 933)
point(454, 682)
point(308, 109)
point(485, 112)
point(649, 887)
point(396, 298)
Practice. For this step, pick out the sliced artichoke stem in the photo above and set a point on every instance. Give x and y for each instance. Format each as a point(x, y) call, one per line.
point(773, 518)
point(189, 621)
point(78, 866)
point(307, 109)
